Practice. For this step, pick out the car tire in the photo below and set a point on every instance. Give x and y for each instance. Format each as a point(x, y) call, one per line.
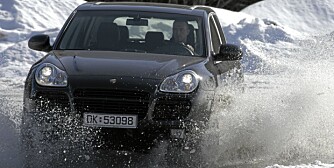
point(182, 154)
point(52, 144)
point(33, 145)
point(186, 152)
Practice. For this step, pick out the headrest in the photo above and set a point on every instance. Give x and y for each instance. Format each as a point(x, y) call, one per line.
point(124, 33)
point(154, 37)
point(108, 36)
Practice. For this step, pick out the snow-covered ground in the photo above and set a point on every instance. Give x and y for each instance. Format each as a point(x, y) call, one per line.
point(285, 115)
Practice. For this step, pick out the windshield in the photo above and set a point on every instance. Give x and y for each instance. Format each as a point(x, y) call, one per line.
point(133, 31)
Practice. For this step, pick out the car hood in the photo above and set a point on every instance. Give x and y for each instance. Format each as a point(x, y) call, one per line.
point(125, 64)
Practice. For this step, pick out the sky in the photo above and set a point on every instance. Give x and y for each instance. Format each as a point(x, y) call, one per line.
point(284, 117)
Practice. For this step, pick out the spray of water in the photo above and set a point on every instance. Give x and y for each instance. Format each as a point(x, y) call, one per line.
point(284, 116)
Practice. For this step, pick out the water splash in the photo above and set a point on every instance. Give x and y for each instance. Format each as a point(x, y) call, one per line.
point(285, 115)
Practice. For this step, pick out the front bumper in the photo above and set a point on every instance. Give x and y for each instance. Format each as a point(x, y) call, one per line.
point(155, 110)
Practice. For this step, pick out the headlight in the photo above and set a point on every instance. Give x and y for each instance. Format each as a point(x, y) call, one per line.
point(183, 82)
point(50, 75)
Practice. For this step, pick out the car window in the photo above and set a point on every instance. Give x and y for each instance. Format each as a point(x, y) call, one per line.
point(216, 42)
point(132, 31)
point(219, 28)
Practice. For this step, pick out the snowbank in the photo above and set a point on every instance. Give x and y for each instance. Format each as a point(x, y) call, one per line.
point(309, 16)
point(268, 32)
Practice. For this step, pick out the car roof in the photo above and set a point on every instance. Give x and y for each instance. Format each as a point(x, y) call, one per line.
point(145, 6)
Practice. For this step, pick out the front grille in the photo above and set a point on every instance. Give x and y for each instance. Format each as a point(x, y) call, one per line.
point(47, 101)
point(171, 109)
point(111, 101)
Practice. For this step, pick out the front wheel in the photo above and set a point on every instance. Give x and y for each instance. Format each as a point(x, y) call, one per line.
point(183, 154)
point(54, 142)
point(186, 152)
point(34, 146)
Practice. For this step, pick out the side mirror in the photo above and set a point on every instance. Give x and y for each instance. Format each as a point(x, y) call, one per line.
point(40, 43)
point(228, 52)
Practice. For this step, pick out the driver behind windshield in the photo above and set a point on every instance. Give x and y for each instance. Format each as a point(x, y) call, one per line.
point(180, 33)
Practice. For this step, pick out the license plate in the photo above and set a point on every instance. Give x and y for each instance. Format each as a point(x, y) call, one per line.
point(110, 120)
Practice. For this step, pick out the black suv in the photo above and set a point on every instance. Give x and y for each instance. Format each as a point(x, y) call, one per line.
point(127, 74)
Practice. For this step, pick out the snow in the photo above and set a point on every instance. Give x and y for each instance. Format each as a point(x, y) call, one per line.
point(307, 16)
point(285, 116)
